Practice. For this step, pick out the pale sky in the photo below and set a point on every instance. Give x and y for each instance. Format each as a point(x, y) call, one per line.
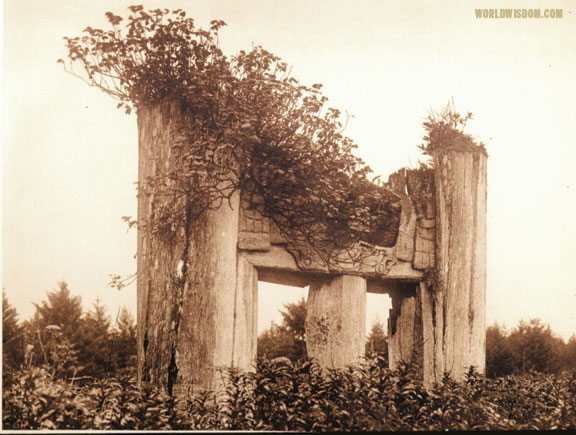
point(69, 158)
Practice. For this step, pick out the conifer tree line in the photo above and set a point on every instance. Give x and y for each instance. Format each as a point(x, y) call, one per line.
point(72, 342)
point(529, 347)
point(81, 344)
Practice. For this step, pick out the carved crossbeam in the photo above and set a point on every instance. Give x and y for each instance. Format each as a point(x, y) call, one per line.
point(413, 253)
point(279, 258)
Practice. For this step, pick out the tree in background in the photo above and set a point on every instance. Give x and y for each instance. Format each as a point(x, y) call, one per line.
point(377, 342)
point(499, 358)
point(55, 331)
point(288, 339)
point(12, 341)
point(530, 347)
point(95, 342)
point(277, 342)
point(123, 342)
point(294, 321)
point(62, 310)
point(107, 349)
point(569, 357)
point(73, 343)
point(535, 348)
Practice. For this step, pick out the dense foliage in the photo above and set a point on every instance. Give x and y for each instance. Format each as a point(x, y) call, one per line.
point(298, 397)
point(250, 125)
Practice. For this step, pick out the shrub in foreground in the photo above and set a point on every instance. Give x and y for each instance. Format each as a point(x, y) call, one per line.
point(297, 397)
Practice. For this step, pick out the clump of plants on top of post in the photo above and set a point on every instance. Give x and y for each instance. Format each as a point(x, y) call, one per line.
point(445, 129)
point(252, 127)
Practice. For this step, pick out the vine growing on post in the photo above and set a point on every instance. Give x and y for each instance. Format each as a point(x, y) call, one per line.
point(252, 126)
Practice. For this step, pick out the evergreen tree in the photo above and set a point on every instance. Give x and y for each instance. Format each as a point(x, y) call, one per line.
point(75, 344)
point(95, 343)
point(123, 342)
point(377, 342)
point(278, 342)
point(289, 339)
point(62, 310)
point(499, 358)
point(531, 346)
point(569, 360)
point(535, 348)
point(55, 331)
point(294, 324)
point(12, 341)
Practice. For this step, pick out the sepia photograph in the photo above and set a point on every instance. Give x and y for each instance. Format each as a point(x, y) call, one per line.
point(288, 216)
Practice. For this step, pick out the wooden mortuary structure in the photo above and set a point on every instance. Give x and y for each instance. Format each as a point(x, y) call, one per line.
point(435, 274)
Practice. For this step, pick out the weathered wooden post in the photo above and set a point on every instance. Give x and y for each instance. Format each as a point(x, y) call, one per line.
point(336, 321)
point(186, 281)
point(457, 305)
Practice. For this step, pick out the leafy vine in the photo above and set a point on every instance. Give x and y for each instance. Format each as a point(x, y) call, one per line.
point(251, 126)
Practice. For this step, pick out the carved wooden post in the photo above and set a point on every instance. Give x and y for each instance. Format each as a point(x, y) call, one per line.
point(336, 321)
point(456, 309)
point(186, 284)
point(404, 321)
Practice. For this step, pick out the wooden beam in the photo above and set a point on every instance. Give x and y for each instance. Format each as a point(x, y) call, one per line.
point(280, 259)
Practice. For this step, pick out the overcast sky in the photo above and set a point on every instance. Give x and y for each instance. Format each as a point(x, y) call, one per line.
point(70, 158)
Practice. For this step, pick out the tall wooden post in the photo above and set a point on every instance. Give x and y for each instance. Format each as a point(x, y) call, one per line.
point(336, 321)
point(187, 282)
point(455, 310)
